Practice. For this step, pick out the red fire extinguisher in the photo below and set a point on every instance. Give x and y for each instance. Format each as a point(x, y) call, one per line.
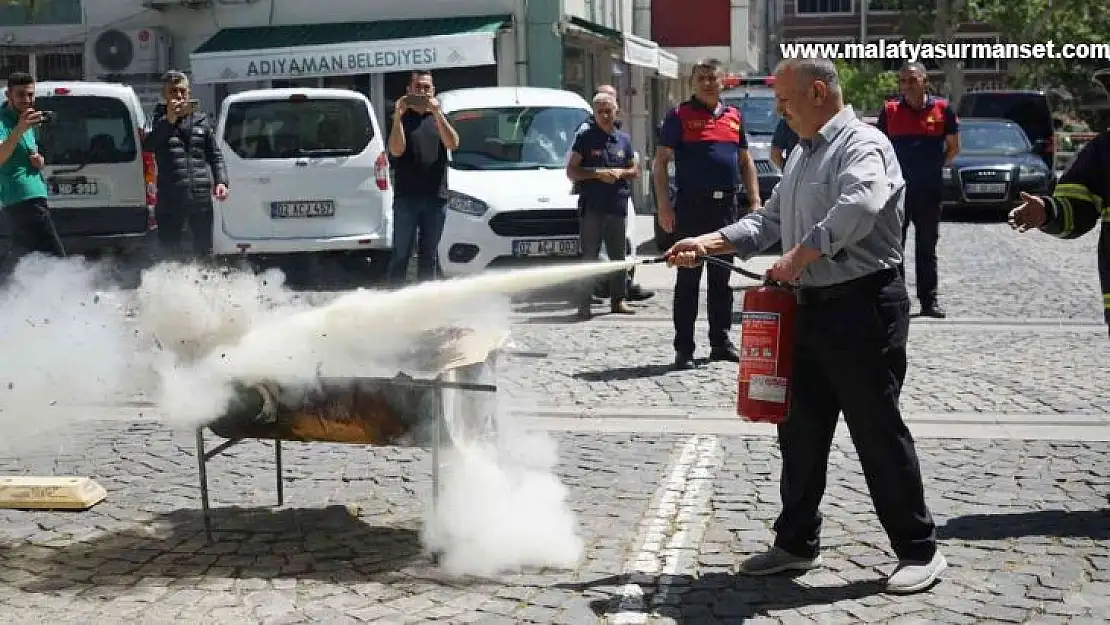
point(766, 348)
point(766, 354)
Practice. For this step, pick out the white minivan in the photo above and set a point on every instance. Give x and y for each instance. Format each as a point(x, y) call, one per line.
point(100, 183)
point(308, 172)
point(510, 199)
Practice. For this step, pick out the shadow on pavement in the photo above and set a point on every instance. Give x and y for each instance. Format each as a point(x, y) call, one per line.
point(730, 597)
point(625, 373)
point(1093, 524)
point(322, 543)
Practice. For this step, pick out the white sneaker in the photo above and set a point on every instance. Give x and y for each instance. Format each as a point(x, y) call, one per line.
point(910, 577)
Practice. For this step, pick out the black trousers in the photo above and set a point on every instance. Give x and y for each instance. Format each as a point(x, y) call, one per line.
point(696, 214)
point(31, 230)
point(923, 210)
point(851, 357)
point(172, 217)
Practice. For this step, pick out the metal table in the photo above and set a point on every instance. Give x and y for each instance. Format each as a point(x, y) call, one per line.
point(447, 380)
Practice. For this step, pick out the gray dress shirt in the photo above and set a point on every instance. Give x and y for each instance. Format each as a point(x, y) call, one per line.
point(841, 193)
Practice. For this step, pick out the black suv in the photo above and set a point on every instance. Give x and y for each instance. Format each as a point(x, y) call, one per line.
point(1029, 109)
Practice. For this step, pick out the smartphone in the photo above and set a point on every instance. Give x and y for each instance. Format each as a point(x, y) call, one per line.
point(48, 117)
point(416, 100)
point(192, 106)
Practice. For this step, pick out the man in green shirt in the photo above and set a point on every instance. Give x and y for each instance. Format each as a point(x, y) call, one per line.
point(22, 187)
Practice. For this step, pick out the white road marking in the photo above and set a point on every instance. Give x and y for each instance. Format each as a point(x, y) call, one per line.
point(671, 529)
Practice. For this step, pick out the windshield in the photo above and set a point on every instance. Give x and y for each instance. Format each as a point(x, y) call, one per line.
point(759, 114)
point(1031, 112)
point(515, 137)
point(298, 128)
point(87, 130)
point(995, 138)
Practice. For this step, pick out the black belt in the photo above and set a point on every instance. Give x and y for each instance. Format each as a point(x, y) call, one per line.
point(709, 193)
point(868, 284)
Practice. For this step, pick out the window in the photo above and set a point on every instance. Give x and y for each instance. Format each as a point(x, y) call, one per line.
point(759, 114)
point(980, 64)
point(14, 63)
point(886, 6)
point(40, 12)
point(993, 138)
point(298, 128)
point(60, 66)
point(86, 130)
point(515, 137)
point(803, 7)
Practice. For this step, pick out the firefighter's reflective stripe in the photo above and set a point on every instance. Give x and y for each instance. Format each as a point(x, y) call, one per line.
point(1067, 192)
point(1106, 301)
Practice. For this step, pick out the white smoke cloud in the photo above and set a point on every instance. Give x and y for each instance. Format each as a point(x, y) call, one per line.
point(187, 335)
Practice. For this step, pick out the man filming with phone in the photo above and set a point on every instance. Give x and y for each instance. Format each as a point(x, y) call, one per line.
point(23, 190)
point(185, 150)
point(418, 144)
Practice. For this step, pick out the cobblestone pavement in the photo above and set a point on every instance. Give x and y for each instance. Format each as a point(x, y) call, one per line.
point(987, 270)
point(665, 518)
point(1023, 526)
point(952, 369)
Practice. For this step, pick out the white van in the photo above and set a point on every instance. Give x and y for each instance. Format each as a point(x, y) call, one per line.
point(308, 172)
point(510, 199)
point(100, 183)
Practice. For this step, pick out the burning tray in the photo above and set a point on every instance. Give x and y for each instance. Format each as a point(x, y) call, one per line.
point(399, 410)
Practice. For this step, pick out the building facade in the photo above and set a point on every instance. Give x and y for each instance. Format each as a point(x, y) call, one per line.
point(236, 45)
point(734, 31)
point(870, 20)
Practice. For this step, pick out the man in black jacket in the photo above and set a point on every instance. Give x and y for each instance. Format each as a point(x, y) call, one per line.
point(185, 147)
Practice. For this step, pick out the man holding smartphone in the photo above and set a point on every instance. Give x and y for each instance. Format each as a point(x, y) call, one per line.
point(185, 150)
point(418, 142)
point(23, 190)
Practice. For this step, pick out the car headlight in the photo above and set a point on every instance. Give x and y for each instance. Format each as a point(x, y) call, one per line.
point(1028, 173)
point(467, 205)
point(947, 173)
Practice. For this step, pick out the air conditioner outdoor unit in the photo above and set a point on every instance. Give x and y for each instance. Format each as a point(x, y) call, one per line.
point(139, 51)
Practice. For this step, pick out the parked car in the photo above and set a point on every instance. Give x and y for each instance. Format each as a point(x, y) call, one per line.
point(995, 164)
point(1030, 109)
point(309, 174)
point(100, 184)
point(510, 199)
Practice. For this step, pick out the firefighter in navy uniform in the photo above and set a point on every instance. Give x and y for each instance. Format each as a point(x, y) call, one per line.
point(706, 138)
point(1076, 206)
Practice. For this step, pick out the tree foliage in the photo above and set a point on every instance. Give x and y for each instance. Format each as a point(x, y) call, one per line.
point(1039, 21)
point(866, 85)
point(1024, 21)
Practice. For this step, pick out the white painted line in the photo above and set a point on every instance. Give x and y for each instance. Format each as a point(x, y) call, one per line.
point(673, 524)
point(631, 609)
point(693, 516)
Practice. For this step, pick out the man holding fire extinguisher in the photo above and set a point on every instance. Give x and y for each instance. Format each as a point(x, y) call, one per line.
point(838, 212)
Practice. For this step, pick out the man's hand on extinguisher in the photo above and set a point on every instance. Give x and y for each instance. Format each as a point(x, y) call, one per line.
point(789, 268)
point(686, 253)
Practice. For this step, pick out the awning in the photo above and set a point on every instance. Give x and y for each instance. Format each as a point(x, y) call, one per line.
point(640, 51)
point(668, 64)
point(597, 30)
point(308, 50)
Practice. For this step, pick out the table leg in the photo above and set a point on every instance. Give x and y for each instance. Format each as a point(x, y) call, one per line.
point(201, 464)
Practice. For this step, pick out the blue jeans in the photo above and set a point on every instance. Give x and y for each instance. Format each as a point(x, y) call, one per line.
point(417, 222)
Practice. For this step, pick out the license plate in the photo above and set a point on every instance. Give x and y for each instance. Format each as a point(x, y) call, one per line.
point(546, 247)
point(74, 188)
point(288, 210)
point(986, 187)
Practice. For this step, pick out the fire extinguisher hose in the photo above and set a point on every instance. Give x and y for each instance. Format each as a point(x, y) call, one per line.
point(713, 260)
